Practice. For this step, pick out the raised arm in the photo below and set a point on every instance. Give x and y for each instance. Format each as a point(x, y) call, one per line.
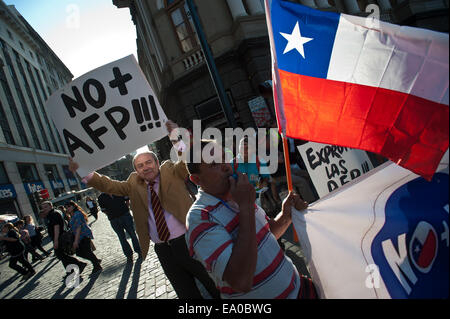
point(103, 183)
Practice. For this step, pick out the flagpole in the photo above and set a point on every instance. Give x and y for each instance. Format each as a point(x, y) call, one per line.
point(287, 162)
point(210, 63)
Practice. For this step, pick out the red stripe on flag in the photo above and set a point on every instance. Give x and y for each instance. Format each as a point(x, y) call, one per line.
point(409, 130)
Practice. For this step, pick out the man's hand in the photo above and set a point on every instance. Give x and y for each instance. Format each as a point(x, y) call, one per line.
point(242, 192)
point(293, 200)
point(73, 166)
point(300, 204)
point(171, 126)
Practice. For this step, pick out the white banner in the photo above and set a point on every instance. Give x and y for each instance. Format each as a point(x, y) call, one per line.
point(383, 235)
point(331, 166)
point(107, 113)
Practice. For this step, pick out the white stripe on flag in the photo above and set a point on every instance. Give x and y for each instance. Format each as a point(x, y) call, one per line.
point(405, 59)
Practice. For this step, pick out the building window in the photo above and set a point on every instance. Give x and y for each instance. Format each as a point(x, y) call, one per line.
point(28, 173)
point(10, 35)
point(3, 176)
point(5, 127)
point(55, 179)
point(183, 25)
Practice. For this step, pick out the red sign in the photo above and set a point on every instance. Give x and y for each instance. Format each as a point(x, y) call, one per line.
point(44, 193)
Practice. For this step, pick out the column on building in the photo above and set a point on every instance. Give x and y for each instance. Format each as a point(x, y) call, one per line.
point(351, 6)
point(237, 8)
point(308, 3)
point(255, 7)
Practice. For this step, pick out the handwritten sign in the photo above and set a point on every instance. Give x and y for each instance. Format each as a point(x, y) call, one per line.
point(260, 111)
point(107, 113)
point(332, 166)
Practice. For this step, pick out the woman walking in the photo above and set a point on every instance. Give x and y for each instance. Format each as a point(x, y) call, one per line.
point(82, 243)
point(35, 234)
point(16, 249)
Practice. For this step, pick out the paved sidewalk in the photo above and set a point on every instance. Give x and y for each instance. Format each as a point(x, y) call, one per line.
point(118, 280)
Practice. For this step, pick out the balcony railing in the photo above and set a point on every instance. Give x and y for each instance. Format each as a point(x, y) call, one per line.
point(194, 59)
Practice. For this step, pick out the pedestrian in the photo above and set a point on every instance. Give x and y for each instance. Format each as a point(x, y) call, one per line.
point(92, 206)
point(35, 234)
point(118, 212)
point(158, 193)
point(248, 162)
point(26, 240)
point(55, 227)
point(234, 238)
point(66, 216)
point(82, 243)
point(16, 249)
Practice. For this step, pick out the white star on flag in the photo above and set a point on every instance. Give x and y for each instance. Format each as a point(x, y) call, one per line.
point(295, 41)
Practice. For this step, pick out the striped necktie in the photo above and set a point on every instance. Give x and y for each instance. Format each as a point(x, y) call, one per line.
point(158, 212)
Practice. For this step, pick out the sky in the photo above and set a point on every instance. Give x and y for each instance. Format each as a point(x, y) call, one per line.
point(84, 34)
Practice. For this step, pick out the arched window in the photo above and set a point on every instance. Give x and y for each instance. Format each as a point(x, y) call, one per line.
point(182, 22)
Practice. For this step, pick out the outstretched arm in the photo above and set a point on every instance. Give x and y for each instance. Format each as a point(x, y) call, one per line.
point(101, 182)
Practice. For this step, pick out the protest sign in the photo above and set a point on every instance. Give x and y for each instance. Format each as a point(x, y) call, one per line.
point(260, 111)
point(107, 113)
point(383, 235)
point(332, 166)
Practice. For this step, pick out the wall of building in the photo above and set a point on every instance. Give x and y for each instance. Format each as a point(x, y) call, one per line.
point(29, 73)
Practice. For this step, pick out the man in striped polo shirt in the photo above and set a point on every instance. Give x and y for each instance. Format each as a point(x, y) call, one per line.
point(234, 239)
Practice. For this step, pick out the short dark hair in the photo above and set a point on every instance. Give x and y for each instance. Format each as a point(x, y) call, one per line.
point(194, 168)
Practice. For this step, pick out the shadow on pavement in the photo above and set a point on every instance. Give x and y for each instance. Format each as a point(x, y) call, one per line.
point(132, 294)
point(85, 291)
point(32, 283)
point(124, 281)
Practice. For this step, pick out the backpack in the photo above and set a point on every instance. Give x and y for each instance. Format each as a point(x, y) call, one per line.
point(66, 238)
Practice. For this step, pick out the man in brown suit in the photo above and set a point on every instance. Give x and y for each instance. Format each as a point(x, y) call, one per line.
point(168, 182)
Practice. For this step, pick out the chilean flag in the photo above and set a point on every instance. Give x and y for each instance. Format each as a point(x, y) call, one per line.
point(361, 83)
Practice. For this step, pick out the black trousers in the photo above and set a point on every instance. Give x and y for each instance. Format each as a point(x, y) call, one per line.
point(181, 269)
point(85, 251)
point(20, 258)
point(66, 259)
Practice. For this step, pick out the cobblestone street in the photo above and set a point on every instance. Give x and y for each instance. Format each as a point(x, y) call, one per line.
point(118, 280)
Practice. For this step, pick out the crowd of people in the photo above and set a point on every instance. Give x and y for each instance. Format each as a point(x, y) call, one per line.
point(218, 235)
point(203, 219)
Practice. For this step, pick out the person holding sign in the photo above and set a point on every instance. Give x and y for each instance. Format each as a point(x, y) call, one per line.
point(235, 240)
point(160, 202)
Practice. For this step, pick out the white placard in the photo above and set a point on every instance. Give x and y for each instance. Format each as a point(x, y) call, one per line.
point(107, 113)
point(332, 166)
point(383, 235)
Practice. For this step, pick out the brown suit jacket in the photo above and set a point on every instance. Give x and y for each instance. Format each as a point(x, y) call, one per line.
point(173, 195)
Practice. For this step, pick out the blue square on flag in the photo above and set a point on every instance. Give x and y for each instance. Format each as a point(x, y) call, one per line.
point(303, 38)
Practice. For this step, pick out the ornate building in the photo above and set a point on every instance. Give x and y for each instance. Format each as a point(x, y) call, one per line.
point(170, 56)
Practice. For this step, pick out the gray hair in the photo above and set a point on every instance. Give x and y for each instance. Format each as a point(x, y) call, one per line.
point(155, 157)
point(47, 202)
